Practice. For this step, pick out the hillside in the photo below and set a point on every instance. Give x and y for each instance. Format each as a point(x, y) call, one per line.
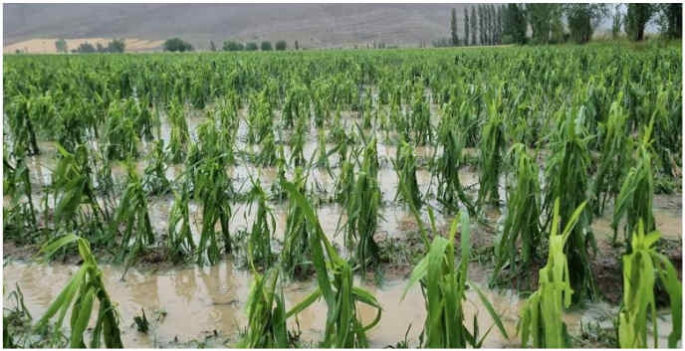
point(313, 25)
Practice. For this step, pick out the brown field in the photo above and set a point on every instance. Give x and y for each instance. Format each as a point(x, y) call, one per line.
point(47, 45)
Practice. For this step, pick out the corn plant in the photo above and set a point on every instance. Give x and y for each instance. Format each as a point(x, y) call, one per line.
point(80, 293)
point(155, 181)
point(323, 154)
point(362, 209)
point(297, 141)
point(343, 329)
point(120, 136)
point(420, 121)
point(266, 313)
point(259, 240)
point(520, 236)
point(447, 165)
point(492, 147)
point(641, 269)
point(444, 289)
point(133, 215)
point(20, 215)
point(179, 137)
point(345, 182)
point(73, 187)
point(405, 166)
point(22, 127)
point(567, 179)
point(260, 118)
point(634, 201)
point(297, 105)
point(541, 318)
point(211, 188)
point(180, 242)
point(295, 255)
point(267, 153)
point(615, 157)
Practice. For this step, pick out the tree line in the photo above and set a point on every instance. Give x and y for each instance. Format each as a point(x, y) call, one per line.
point(178, 45)
point(114, 46)
point(489, 24)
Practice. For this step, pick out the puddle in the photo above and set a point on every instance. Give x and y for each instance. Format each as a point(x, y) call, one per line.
point(200, 300)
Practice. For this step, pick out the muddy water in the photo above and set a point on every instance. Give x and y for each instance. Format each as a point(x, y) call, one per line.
point(200, 300)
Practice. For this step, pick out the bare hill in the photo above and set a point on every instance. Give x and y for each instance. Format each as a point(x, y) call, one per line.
point(313, 25)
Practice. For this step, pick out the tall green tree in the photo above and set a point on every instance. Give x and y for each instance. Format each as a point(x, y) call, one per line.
point(474, 26)
point(540, 18)
point(453, 28)
point(61, 46)
point(616, 24)
point(498, 24)
point(637, 17)
point(514, 26)
point(481, 24)
point(670, 19)
point(582, 20)
point(466, 26)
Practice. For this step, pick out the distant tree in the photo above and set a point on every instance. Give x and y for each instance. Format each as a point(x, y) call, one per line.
point(116, 46)
point(481, 25)
point(556, 27)
point(297, 46)
point(466, 26)
point(670, 19)
point(492, 28)
point(637, 17)
point(474, 26)
point(212, 47)
point(616, 24)
point(251, 46)
point(85, 48)
point(582, 20)
point(540, 19)
point(177, 45)
point(453, 28)
point(514, 26)
point(61, 46)
point(266, 46)
point(281, 45)
point(232, 46)
point(100, 48)
point(440, 43)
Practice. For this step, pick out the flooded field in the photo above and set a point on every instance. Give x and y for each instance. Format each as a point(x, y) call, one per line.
point(186, 179)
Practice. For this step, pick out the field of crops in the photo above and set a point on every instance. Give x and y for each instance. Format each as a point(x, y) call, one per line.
point(443, 198)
